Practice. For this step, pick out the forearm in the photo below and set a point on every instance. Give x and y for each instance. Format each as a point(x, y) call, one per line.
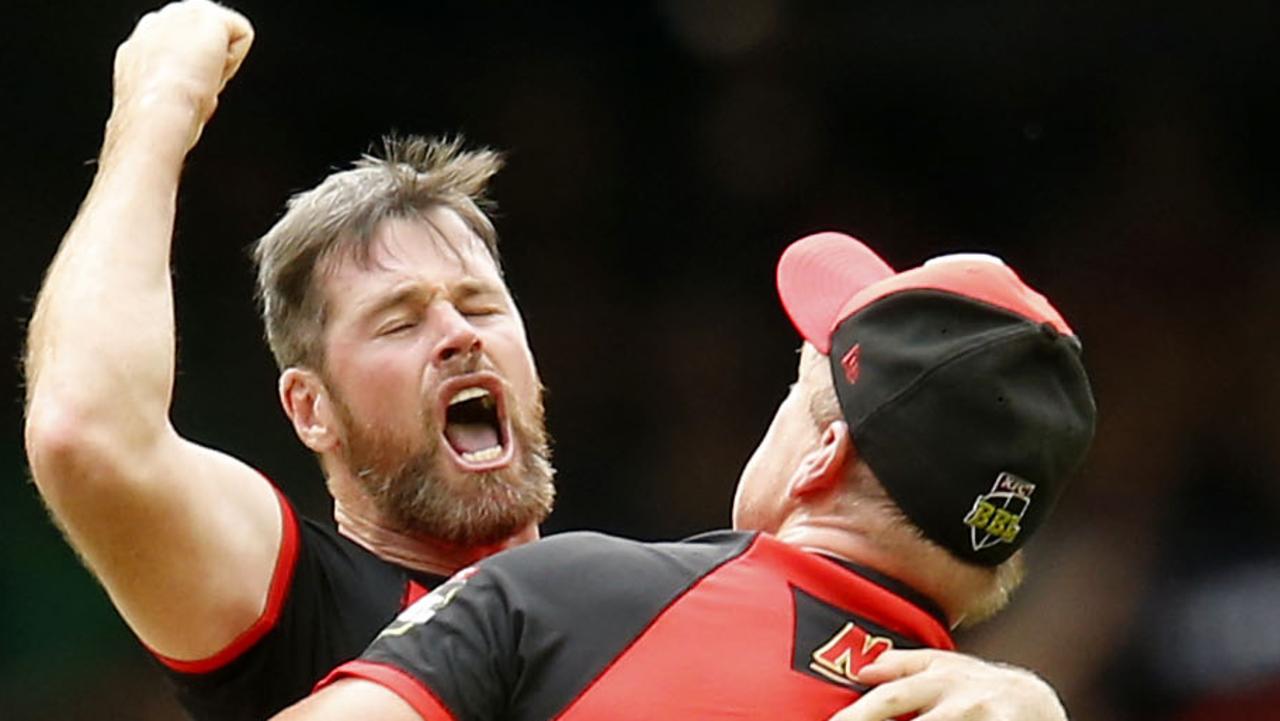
point(101, 342)
point(184, 539)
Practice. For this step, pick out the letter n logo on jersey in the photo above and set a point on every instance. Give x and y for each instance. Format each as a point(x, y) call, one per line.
point(832, 644)
point(849, 650)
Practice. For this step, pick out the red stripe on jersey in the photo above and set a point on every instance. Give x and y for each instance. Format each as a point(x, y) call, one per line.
point(412, 592)
point(398, 682)
point(281, 581)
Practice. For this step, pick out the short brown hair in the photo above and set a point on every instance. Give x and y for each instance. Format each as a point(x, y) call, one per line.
point(411, 176)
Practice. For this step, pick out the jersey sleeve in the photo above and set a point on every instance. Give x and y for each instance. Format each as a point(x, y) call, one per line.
point(453, 655)
point(325, 604)
point(277, 593)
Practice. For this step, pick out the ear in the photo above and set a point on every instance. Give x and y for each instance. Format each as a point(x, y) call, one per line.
point(822, 468)
point(307, 402)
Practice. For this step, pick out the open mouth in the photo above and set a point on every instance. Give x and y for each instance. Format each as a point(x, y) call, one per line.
point(475, 426)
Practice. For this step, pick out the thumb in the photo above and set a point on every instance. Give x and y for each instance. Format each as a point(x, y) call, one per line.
point(239, 39)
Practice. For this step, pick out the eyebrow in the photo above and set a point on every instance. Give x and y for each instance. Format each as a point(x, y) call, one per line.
point(472, 287)
point(415, 292)
point(401, 295)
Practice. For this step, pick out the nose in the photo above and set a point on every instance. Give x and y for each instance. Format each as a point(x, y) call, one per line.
point(457, 337)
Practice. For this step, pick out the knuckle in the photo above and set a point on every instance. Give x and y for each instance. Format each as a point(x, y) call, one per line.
point(892, 697)
point(979, 710)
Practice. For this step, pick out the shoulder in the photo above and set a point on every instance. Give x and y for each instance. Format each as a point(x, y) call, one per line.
point(588, 565)
point(530, 625)
point(612, 552)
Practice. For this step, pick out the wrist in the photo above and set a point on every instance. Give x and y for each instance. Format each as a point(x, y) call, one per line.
point(152, 125)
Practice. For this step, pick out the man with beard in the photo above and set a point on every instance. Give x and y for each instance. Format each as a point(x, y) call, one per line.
point(404, 367)
point(937, 416)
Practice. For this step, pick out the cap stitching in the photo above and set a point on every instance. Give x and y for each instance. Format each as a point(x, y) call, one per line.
point(910, 388)
point(930, 290)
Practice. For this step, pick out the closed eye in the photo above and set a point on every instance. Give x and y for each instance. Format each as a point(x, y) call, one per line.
point(396, 327)
point(480, 310)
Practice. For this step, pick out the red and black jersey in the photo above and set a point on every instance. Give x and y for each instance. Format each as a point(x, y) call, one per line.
point(585, 626)
point(329, 597)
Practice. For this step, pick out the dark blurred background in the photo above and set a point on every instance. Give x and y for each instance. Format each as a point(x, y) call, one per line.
point(1123, 156)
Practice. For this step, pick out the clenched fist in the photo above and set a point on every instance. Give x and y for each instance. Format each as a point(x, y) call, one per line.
point(174, 65)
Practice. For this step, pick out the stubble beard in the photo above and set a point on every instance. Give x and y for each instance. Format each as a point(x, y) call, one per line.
point(419, 491)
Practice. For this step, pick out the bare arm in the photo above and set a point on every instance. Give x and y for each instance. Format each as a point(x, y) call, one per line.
point(183, 538)
point(945, 686)
point(350, 698)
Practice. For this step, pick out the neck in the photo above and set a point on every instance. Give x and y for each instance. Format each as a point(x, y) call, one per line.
point(359, 520)
point(895, 552)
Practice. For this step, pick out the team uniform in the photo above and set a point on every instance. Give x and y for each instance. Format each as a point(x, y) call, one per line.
point(726, 625)
point(328, 598)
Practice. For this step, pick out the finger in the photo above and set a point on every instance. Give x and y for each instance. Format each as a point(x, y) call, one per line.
point(239, 39)
point(890, 700)
point(942, 714)
point(896, 663)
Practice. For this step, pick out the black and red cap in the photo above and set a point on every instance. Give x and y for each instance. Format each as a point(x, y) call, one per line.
point(963, 387)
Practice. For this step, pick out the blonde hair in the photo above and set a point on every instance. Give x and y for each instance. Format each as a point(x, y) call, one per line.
point(815, 379)
point(411, 176)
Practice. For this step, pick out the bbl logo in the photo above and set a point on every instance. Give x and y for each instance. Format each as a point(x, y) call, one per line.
point(996, 516)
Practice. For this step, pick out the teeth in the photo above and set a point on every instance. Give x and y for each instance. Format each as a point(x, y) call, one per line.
point(487, 454)
point(467, 394)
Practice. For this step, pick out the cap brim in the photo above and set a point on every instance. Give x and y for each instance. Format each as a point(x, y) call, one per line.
point(818, 274)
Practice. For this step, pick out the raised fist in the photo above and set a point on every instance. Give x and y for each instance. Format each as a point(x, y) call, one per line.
point(180, 57)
